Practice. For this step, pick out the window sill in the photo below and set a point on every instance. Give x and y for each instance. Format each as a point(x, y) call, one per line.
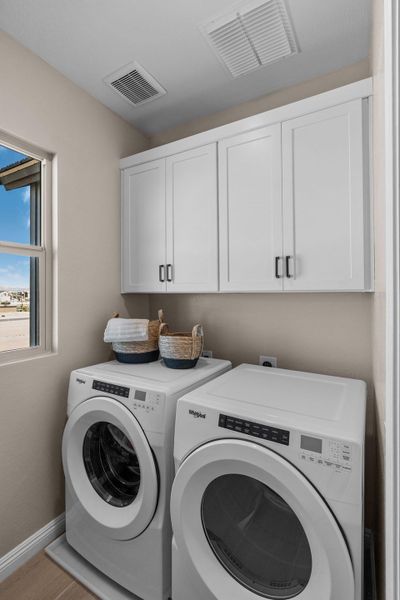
point(12, 357)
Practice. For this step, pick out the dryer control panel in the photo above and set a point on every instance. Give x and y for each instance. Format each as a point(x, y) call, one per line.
point(259, 430)
point(332, 454)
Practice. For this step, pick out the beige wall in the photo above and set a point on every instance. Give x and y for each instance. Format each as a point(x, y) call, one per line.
point(40, 106)
point(378, 308)
point(326, 333)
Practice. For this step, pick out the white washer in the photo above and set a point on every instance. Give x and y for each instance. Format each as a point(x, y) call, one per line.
point(117, 456)
point(267, 501)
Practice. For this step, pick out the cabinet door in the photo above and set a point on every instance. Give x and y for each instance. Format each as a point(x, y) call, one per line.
point(192, 221)
point(250, 227)
point(325, 204)
point(143, 227)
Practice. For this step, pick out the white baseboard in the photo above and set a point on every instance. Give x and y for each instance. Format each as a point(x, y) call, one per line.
point(31, 546)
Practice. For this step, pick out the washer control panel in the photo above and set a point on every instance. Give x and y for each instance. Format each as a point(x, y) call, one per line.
point(141, 401)
point(145, 401)
point(327, 453)
point(111, 388)
point(259, 430)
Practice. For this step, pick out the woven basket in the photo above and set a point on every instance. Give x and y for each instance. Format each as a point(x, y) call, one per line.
point(181, 350)
point(140, 352)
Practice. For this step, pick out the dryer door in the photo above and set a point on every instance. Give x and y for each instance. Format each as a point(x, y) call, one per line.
point(109, 465)
point(251, 526)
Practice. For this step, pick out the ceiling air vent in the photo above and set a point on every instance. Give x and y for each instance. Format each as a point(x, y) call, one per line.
point(135, 84)
point(256, 34)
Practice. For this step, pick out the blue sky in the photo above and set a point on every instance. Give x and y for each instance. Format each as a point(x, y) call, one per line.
point(14, 271)
point(14, 227)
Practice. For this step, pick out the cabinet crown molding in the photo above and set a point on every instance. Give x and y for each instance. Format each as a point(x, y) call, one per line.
point(352, 91)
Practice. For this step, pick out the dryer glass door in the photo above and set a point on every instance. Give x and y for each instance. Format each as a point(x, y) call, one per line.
point(249, 525)
point(111, 463)
point(256, 536)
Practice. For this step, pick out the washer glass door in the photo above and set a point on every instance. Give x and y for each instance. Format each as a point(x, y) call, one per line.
point(111, 463)
point(256, 536)
point(110, 468)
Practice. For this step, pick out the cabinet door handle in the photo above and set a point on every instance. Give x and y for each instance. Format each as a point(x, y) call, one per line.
point(287, 263)
point(277, 259)
point(169, 272)
point(161, 273)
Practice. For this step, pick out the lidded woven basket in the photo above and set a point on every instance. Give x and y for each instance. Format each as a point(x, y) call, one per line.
point(141, 352)
point(181, 350)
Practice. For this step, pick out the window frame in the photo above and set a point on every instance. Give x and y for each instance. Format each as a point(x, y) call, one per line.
point(43, 252)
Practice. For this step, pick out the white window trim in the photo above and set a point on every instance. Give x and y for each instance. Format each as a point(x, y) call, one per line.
point(44, 253)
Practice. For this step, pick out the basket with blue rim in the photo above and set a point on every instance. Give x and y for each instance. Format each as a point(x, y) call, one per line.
point(141, 351)
point(181, 350)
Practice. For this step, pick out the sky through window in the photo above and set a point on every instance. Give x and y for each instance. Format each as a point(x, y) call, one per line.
point(14, 226)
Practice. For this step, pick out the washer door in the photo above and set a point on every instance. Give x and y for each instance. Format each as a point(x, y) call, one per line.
point(109, 465)
point(251, 526)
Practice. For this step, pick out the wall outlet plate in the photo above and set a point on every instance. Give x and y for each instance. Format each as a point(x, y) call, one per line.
point(207, 353)
point(268, 361)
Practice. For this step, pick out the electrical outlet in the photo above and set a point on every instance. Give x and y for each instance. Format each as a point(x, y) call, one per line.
point(268, 361)
point(207, 354)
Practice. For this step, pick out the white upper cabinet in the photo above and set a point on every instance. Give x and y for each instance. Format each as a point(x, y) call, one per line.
point(325, 203)
point(143, 228)
point(170, 224)
point(192, 221)
point(250, 225)
point(277, 202)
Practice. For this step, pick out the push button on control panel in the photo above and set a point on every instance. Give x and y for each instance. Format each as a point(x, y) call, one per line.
point(265, 432)
point(110, 388)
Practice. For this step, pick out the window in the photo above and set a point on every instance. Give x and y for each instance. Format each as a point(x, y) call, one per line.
point(25, 255)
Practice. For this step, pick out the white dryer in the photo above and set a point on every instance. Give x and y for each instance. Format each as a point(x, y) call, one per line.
point(267, 501)
point(117, 456)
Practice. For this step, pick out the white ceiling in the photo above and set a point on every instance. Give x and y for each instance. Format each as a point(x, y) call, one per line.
point(89, 39)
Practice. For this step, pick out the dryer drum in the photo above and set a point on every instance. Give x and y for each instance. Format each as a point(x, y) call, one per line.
point(111, 464)
point(256, 536)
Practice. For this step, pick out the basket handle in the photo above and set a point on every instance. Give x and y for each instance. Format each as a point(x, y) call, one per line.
point(197, 331)
point(163, 329)
point(115, 315)
point(161, 315)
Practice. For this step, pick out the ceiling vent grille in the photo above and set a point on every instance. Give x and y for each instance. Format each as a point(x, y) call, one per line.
point(257, 34)
point(133, 83)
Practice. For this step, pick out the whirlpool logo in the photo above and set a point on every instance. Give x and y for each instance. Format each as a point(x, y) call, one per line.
point(197, 414)
point(80, 380)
